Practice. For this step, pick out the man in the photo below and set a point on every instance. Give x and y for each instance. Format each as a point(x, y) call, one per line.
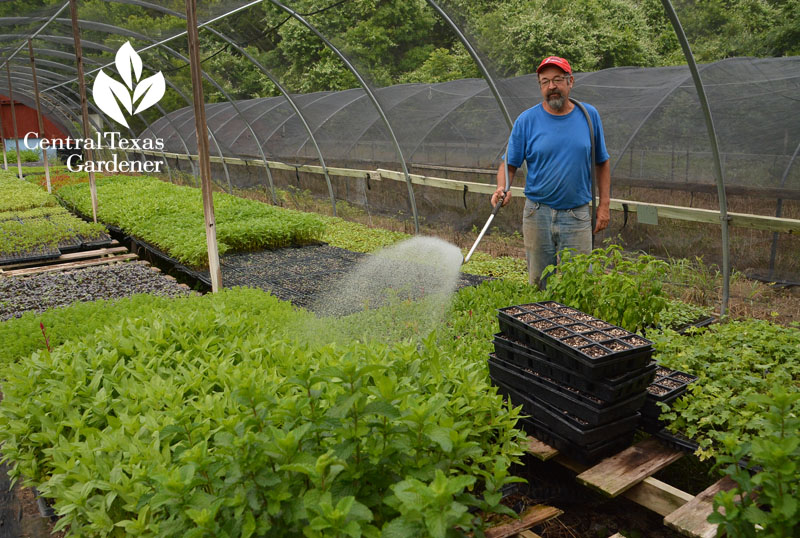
point(553, 138)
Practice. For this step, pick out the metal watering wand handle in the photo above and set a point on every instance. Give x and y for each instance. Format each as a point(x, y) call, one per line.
point(497, 207)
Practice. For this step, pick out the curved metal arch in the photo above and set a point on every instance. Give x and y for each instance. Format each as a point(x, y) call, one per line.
point(635, 132)
point(77, 104)
point(111, 29)
point(472, 52)
point(368, 127)
point(372, 98)
point(277, 126)
point(102, 27)
point(333, 113)
point(29, 91)
point(712, 136)
point(294, 106)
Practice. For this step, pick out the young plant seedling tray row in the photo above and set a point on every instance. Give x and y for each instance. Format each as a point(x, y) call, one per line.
point(611, 388)
point(668, 386)
point(588, 344)
point(589, 409)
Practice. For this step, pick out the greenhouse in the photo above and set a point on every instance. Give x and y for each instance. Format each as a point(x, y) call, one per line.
point(311, 320)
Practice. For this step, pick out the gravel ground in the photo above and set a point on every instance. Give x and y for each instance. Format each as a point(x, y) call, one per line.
point(299, 274)
point(49, 290)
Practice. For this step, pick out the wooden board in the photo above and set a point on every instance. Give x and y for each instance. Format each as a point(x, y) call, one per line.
point(69, 257)
point(540, 450)
point(67, 266)
point(651, 493)
point(530, 517)
point(619, 473)
point(690, 519)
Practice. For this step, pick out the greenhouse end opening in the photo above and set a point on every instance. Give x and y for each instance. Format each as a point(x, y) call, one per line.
point(75, 164)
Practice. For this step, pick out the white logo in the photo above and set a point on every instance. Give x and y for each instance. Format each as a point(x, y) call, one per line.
point(109, 93)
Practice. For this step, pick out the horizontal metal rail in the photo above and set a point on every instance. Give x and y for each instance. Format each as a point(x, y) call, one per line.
point(691, 214)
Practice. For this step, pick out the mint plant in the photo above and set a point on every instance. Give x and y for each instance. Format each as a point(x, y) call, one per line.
point(766, 503)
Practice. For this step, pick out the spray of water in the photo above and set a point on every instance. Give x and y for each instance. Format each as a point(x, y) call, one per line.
point(397, 293)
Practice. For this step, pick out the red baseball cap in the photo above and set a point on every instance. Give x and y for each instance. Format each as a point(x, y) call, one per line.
point(561, 63)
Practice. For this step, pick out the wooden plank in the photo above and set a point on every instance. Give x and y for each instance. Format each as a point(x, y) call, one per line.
point(540, 450)
point(619, 473)
point(67, 257)
point(651, 493)
point(528, 534)
point(530, 517)
point(690, 519)
point(67, 266)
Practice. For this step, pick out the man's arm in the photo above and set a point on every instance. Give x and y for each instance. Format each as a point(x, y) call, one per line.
point(604, 191)
point(501, 183)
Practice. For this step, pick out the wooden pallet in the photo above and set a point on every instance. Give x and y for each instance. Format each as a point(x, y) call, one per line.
point(629, 474)
point(74, 260)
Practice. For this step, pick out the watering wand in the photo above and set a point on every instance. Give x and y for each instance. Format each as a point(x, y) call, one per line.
point(496, 209)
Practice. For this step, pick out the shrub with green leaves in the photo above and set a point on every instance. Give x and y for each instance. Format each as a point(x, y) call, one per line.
point(171, 217)
point(210, 418)
point(26, 156)
point(620, 290)
point(733, 361)
point(766, 503)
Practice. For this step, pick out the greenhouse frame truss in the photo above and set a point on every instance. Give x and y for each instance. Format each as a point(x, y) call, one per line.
point(60, 95)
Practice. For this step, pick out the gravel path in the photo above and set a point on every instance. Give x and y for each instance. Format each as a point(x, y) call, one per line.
point(49, 290)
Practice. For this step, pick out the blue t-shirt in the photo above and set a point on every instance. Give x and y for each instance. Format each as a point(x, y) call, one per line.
point(557, 150)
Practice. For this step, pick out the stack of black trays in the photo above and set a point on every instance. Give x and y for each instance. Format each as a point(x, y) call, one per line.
point(581, 380)
point(668, 386)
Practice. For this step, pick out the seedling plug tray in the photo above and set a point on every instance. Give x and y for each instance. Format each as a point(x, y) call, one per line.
point(557, 330)
point(609, 388)
point(587, 455)
point(565, 425)
point(591, 410)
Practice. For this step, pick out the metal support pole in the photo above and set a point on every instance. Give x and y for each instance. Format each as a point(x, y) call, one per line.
point(14, 120)
point(76, 36)
point(39, 116)
point(3, 143)
point(202, 145)
point(712, 137)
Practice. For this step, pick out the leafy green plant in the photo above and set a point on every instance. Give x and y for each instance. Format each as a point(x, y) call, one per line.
point(26, 156)
point(733, 361)
point(677, 314)
point(171, 217)
point(606, 284)
point(20, 195)
point(208, 417)
point(766, 503)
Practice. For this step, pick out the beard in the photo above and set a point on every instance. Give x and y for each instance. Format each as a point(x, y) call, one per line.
point(556, 101)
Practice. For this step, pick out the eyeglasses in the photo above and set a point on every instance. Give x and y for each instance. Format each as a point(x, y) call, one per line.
point(544, 82)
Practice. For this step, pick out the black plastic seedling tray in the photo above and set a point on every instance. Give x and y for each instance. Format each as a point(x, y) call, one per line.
point(570, 359)
point(556, 329)
point(587, 455)
point(591, 410)
point(609, 388)
point(563, 424)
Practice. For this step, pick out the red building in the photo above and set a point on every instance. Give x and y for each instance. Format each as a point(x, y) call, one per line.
point(27, 121)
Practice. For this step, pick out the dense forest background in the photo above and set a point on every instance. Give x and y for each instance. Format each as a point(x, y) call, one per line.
point(402, 41)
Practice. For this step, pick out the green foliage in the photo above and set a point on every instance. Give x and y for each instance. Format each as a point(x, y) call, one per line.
point(357, 237)
point(30, 219)
point(733, 362)
point(767, 503)
point(207, 417)
point(606, 284)
point(20, 195)
point(26, 156)
point(171, 217)
point(677, 314)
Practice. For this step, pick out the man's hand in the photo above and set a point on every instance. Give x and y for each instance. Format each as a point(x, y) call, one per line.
point(602, 219)
point(498, 193)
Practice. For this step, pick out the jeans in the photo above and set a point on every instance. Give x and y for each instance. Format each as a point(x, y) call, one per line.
point(547, 231)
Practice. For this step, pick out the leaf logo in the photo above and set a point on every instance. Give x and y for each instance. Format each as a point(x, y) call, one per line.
point(109, 94)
